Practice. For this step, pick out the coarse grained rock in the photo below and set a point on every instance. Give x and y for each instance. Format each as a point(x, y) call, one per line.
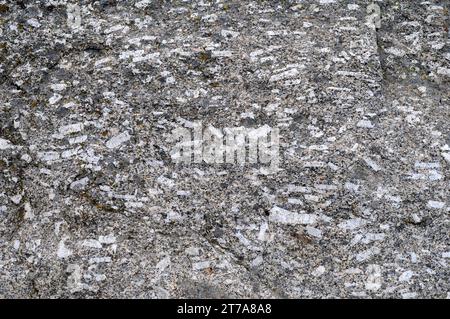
point(93, 206)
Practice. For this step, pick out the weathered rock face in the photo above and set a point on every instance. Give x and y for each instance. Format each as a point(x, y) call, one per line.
point(93, 205)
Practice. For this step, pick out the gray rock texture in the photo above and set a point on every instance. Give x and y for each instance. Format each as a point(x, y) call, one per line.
point(92, 204)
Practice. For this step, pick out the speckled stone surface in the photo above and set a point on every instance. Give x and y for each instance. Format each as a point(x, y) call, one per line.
point(93, 206)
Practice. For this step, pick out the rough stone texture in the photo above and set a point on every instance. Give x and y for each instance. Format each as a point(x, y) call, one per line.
point(92, 205)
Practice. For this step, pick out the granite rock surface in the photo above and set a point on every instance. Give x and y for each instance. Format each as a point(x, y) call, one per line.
point(92, 204)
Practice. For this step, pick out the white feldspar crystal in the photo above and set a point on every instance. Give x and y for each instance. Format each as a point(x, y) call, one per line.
point(319, 271)
point(142, 4)
point(134, 205)
point(27, 158)
point(98, 260)
point(210, 17)
point(435, 204)
point(370, 237)
point(55, 98)
point(74, 281)
point(406, 276)
point(117, 140)
point(229, 33)
point(165, 181)
point(255, 54)
point(365, 124)
point(351, 187)
point(16, 199)
point(284, 75)
point(173, 216)
point(192, 251)
point(58, 86)
point(295, 201)
point(28, 211)
point(282, 216)
point(16, 244)
point(5, 144)
point(63, 251)
point(367, 254)
point(434, 175)
point(78, 139)
point(409, 295)
point(443, 71)
point(201, 265)
point(352, 224)
point(423, 165)
point(69, 153)
point(262, 236)
point(396, 51)
point(91, 243)
point(257, 261)
point(71, 128)
point(373, 282)
point(163, 263)
point(49, 156)
point(34, 23)
point(446, 156)
point(353, 7)
point(108, 239)
point(372, 164)
point(314, 232)
point(79, 184)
